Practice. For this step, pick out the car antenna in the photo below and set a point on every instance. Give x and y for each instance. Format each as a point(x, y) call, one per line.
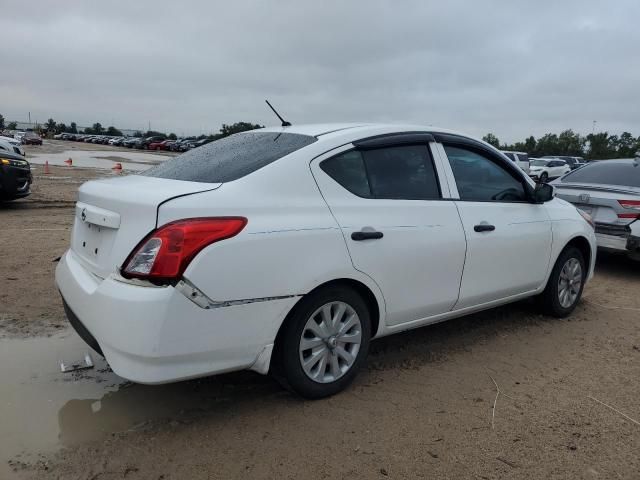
point(284, 122)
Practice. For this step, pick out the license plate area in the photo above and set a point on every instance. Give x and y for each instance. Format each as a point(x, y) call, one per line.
point(90, 239)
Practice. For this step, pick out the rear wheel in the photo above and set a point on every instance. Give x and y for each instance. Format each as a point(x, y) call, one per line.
point(324, 343)
point(565, 285)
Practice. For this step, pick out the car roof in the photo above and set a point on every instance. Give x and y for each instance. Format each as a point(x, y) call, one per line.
point(325, 129)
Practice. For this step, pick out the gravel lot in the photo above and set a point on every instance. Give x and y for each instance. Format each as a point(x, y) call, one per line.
point(423, 407)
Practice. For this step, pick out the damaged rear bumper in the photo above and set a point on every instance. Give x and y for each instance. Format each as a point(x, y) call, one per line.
point(157, 335)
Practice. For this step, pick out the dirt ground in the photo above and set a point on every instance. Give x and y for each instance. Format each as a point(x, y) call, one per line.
point(566, 393)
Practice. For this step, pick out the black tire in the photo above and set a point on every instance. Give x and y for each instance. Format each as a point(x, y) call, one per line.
point(286, 364)
point(549, 299)
point(544, 177)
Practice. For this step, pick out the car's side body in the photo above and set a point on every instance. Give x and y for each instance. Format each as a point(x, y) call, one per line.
point(227, 311)
point(548, 169)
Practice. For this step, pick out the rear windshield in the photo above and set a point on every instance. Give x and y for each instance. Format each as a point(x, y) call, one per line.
point(231, 157)
point(607, 173)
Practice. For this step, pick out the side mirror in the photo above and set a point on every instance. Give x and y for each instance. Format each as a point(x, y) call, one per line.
point(543, 193)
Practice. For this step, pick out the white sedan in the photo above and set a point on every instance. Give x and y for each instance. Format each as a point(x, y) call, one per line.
point(286, 250)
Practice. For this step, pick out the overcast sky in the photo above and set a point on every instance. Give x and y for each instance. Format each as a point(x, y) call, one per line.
point(510, 67)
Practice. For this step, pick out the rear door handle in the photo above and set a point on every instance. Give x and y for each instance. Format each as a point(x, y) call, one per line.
point(484, 227)
point(366, 235)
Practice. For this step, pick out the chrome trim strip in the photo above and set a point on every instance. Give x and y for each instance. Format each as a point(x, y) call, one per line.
point(196, 295)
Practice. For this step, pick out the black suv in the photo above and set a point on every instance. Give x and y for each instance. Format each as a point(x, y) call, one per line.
point(15, 176)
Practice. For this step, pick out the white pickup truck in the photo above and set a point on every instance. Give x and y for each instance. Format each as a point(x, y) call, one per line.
point(519, 158)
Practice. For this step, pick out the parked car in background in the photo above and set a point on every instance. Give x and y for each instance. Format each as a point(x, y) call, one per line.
point(130, 142)
point(31, 138)
point(15, 176)
point(184, 144)
point(519, 158)
point(609, 190)
point(200, 143)
point(145, 142)
point(573, 162)
point(543, 170)
point(160, 145)
point(18, 136)
point(289, 249)
point(11, 145)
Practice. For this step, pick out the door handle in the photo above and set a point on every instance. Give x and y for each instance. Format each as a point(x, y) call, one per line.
point(366, 235)
point(484, 227)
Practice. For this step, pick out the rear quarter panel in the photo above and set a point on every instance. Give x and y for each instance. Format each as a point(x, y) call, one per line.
point(291, 243)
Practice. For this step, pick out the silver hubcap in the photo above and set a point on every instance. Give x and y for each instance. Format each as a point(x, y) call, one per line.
point(569, 283)
point(330, 342)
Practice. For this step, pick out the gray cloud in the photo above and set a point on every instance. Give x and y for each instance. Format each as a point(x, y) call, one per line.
point(509, 67)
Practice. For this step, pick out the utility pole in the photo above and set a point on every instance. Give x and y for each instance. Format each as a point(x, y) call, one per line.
point(593, 128)
point(29, 118)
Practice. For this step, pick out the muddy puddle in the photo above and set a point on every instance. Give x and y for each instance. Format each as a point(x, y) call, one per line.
point(43, 409)
point(136, 161)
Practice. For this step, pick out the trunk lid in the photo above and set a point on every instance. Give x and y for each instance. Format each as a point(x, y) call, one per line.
point(113, 215)
point(599, 201)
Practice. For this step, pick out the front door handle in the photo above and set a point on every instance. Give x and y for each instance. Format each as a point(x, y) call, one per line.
point(366, 235)
point(484, 227)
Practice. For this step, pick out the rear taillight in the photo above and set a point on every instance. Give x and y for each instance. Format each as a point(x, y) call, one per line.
point(632, 205)
point(164, 254)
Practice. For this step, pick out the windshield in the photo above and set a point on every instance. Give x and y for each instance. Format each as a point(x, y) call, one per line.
point(538, 163)
point(607, 172)
point(231, 157)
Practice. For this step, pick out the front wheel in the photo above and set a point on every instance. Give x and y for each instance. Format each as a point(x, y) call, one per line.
point(565, 285)
point(324, 343)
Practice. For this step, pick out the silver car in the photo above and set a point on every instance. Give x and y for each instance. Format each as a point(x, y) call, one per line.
point(609, 190)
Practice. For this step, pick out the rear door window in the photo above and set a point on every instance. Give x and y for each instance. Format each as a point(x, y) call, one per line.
point(401, 172)
point(230, 158)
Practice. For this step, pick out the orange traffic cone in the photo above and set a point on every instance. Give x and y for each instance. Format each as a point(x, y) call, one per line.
point(46, 167)
point(69, 162)
point(117, 167)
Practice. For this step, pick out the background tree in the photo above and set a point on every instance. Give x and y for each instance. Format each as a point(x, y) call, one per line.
point(1, 122)
point(114, 132)
point(12, 126)
point(571, 144)
point(88, 131)
point(51, 125)
point(599, 146)
point(73, 128)
point(627, 145)
point(153, 133)
point(238, 127)
point(97, 128)
point(172, 136)
point(490, 138)
point(137, 134)
point(61, 128)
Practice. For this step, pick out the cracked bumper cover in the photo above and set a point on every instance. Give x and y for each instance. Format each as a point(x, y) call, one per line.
point(157, 335)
